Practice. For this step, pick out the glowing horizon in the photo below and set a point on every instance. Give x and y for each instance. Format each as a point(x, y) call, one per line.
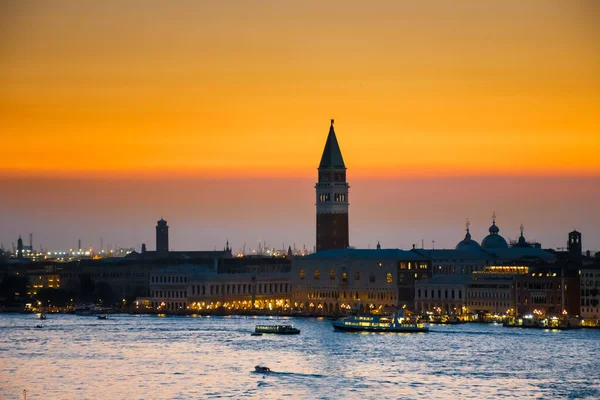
point(200, 89)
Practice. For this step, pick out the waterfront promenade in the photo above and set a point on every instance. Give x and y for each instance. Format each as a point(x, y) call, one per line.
point(184, 357)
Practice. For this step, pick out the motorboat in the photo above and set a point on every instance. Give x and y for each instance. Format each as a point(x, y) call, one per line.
point(277, 329)
point(379, 323)
point(261, 369)
point(102, 316)
point(43, 316)
point(39, 326)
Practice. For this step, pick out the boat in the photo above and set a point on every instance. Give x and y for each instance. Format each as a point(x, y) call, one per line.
point(261, 369)
point(43, 316)
point(102, 316)
point(39, 326)
point(446, 320)
point(277, 329)
point(379, 323)
point(530, 321)
point(256, 334)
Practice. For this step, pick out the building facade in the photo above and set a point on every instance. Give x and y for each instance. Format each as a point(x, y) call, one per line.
point(336, 281)
point(441, 295)
point(590, 292)
point(548, 290)
point(201, 288)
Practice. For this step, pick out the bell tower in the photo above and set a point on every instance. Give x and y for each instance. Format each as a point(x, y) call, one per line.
point(332, 197)
point(162, 238)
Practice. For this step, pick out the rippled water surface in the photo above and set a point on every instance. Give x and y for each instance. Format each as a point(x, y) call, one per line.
point(150, 357)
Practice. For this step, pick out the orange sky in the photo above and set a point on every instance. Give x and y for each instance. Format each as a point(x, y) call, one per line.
point(248, 88)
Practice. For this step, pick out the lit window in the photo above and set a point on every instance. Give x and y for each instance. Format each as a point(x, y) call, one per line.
point(301, 275)
point(357, 275)
point(317, 274)
point(388, 277)
point(344, 277)
point(332, 274)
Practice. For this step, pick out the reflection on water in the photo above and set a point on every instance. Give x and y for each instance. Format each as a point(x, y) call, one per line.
point(199, 357)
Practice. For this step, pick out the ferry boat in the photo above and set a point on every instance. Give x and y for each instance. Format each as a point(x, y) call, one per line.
point(530, 321)
point(379, 323)
point(277, 329)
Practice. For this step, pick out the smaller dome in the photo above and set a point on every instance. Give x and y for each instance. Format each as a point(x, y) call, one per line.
point(467, 243)
point(494, 229)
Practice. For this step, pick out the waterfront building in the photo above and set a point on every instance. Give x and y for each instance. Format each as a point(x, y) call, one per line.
point(442, 294)
point(200, 288)
point(241, 292)
point(168, 287)
point(338, 280)
point(332, 197)
point(486, 291)
point(492, 290)
point(548, 290)
point(44, 280)
point(589, 290)
point(126, 278)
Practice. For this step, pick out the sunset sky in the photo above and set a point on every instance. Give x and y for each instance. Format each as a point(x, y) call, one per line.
point(214, 115)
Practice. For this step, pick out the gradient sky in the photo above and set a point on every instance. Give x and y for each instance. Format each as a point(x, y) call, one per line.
point(228, 103)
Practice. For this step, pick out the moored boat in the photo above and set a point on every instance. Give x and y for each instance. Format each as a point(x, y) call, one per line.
point(530, 321)
point(378, 323)
point(277, 329)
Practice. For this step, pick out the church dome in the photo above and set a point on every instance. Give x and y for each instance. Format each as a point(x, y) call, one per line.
point(494, 240)
point(467, 243)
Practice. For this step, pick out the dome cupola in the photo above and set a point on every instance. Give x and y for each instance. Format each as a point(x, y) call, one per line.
point(467, 243)
point(494, 240)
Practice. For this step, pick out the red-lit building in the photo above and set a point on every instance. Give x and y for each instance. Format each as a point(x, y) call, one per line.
point(548, 291)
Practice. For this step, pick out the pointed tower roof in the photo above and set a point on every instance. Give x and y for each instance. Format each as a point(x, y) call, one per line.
point(332, 155)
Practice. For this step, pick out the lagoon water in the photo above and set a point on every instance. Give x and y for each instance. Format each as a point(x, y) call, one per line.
point(152, 357)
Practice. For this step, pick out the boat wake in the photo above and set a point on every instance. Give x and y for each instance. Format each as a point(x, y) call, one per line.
point(290, 374)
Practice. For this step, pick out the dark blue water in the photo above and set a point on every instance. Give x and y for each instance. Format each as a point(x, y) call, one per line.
point(149, 357)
